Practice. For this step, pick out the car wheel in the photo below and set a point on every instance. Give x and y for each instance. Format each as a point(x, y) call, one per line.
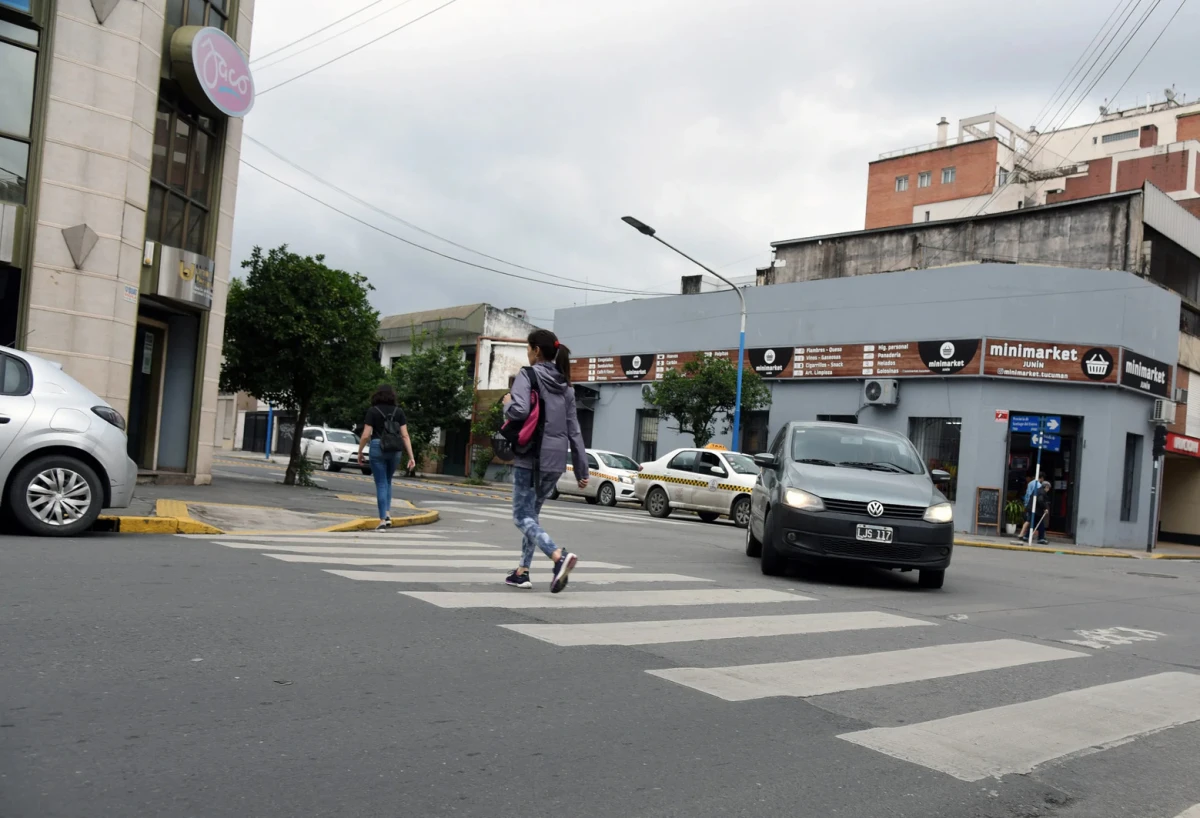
point(741, 512)
point(773, 563)
point(657, 503)
point(327, 462)
point(607, 495)
point(753, 544)
point(932, 579)
point(708, 516)
point(56, 496)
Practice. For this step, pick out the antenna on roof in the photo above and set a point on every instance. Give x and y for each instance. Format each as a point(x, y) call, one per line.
point(1169, 93)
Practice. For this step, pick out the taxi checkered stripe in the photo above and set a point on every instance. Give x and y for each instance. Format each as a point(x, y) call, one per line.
point(683, 481)
point(601, 474)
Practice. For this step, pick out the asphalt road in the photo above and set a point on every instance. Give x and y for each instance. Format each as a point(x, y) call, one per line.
point(172, 676)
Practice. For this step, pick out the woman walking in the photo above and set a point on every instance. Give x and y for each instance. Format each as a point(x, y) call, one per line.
point(385, 430)
point(536, 473)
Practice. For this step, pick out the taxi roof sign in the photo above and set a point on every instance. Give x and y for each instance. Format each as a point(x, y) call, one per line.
point(717, 446)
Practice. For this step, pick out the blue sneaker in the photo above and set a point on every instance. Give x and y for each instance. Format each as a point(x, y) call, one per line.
point(517, 580)
point(561, 569)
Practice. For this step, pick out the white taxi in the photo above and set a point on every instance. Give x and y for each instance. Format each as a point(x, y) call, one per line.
point(610, 481)
point(712, 482)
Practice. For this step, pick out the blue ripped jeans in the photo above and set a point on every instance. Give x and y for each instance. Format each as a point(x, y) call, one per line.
point(383, 469)
point(527, 505)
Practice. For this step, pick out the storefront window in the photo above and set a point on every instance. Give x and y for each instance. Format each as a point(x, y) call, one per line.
point(646, 446)
point(180, 179)
point(18, 74)
point(213, 13)
point(938, 440)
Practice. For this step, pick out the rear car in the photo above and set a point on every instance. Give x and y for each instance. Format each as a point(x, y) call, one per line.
point(610, 479)
point(711, 481)
point(62, 449)
point(833, 492)
point(332, 448)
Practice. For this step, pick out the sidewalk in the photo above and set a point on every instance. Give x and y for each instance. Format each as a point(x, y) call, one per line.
point(441, 479)
point(273, 508)
point(1164, 551)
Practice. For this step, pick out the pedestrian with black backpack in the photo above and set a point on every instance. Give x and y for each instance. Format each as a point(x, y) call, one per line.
point(385, 430)
point(541, 426)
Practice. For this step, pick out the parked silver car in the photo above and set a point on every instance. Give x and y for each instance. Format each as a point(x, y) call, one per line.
point(62, 449)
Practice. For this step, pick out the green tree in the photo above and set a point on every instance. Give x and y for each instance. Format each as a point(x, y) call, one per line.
point(346, 409)
point(296, 332)
point(704, 393)
point(434, 385)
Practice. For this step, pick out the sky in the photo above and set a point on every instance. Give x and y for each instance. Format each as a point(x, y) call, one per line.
point(525, 129)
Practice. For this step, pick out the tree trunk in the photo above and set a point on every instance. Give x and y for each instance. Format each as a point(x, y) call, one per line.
point(289, 476)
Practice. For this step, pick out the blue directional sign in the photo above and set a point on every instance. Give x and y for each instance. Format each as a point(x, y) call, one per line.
point(1049, 443)
point(1031, 424)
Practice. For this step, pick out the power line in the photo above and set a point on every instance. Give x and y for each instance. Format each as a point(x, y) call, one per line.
point(320, 43)
point(419, 229)
point(378, 229)
point(316, 32)
point(357, 48)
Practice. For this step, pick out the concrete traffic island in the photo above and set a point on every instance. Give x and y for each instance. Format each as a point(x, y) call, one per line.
point(1164, 551)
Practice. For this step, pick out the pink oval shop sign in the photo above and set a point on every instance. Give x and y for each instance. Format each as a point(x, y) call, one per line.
point(222, 72)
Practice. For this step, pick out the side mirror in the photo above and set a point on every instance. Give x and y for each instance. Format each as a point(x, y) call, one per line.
point(717, 470)
point(940, 476)
point(766, 461)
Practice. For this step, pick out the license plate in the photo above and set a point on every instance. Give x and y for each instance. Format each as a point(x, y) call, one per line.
point(873, 533)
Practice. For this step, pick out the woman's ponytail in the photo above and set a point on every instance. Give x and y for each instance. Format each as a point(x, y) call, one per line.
point(552, 351)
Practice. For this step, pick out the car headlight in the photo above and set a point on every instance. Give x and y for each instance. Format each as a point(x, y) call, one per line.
point(940, 513)
point(625, 478)
point(796, 498)
point(111, 415)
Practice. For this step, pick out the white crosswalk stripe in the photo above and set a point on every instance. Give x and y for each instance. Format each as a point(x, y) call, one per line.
point(605, 599)
point(345, 539)
point(1017, 738)
point(431, 549)
point(443, 560)
point(1191, 812)
point(817, 677)
point(659, 632)
point(580, 515)
point(492, 579)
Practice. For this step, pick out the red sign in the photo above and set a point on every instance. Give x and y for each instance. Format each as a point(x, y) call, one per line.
point(1182, 444)
point(1002, 416)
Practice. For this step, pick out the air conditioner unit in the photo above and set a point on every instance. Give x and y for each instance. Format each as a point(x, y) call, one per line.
point(1180, 395)
point(1164, 412)
point(881, 393)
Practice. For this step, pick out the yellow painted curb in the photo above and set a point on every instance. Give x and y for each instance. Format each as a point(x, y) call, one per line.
point(367, 500)
point(1037, 549)
point(1174, 557)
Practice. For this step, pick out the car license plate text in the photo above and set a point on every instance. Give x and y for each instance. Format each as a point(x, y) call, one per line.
point(873, 533)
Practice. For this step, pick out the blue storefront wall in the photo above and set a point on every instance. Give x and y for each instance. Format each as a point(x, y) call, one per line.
point(970, 301)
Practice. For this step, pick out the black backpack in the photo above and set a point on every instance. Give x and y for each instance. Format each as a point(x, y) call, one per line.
point(390, 439)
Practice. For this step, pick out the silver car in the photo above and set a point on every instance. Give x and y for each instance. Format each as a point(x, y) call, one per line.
point(62, 449)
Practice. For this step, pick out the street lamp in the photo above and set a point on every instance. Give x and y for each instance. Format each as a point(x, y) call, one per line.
point(647, 230)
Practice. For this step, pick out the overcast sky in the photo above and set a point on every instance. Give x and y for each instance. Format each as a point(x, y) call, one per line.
point(526, 128)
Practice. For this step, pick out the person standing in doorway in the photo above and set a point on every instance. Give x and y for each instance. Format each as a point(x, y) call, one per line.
point(1037, 488)
point(385, 431)
point(536, 472)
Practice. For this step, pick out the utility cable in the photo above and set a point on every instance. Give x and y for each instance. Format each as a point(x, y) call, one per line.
point(315, 32)
point(378, 229)
point(357, 48)
point(332, 37)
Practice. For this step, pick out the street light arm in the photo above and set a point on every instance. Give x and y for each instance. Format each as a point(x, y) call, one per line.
point(736, 288)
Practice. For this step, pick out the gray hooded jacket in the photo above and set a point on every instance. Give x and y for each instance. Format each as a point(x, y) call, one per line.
point(562, 424)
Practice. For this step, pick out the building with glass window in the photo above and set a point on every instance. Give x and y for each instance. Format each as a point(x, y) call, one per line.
point(120, 133)
point(957, 358)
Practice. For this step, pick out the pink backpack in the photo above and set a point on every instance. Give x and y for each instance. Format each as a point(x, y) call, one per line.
point(522, 436)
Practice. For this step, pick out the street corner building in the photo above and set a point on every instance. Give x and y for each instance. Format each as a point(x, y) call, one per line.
point(1078, 355)
point(120, 135)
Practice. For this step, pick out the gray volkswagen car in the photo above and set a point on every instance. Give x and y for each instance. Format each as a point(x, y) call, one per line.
point(842, 492)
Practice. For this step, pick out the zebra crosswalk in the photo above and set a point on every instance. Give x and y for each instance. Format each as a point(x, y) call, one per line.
point(966, 744)
point(560, 512)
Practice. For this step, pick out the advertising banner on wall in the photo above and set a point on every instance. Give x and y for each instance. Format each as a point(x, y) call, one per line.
point(1051, 362)
point(1146, 374)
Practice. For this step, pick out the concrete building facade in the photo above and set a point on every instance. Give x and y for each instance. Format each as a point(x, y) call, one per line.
point(1003, 323)
point(119, 140)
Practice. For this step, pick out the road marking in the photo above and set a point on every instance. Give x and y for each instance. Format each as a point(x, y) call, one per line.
point(1191, 812)
point(416, 549)
point(818, 677)
point(448, 560)
point(1016, 738)
point(1103, 638)
point(448, 578)
point(661, 632)
point(605, 599)
point(560, 515)
point(321, 538)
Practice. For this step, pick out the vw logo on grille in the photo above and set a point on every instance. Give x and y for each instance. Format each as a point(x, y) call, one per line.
point(875, 508)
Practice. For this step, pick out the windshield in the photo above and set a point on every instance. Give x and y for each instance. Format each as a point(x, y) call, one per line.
point(340, 437)
point(855, 449)
point(618, 461)
point(741, 463)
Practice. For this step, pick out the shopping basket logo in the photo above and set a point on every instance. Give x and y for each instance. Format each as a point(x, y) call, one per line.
point(1097, 364)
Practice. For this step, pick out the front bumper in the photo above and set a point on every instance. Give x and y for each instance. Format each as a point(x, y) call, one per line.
point(625, 493)
point(121, 485)
point(829, 535)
